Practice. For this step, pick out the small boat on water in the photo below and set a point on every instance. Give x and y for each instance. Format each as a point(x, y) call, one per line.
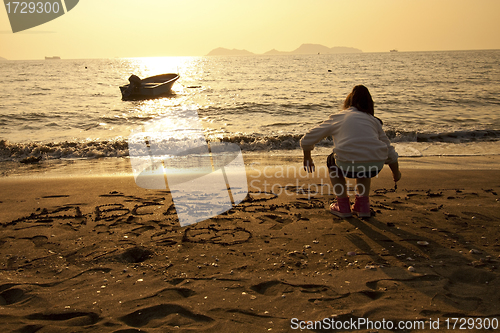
point(151, 87)
point(394, 50)
point(53, 58)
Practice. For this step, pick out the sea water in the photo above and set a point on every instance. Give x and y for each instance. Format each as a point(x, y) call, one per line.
point(431, 103)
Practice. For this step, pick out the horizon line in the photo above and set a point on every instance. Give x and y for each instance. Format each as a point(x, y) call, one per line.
point(286, 53)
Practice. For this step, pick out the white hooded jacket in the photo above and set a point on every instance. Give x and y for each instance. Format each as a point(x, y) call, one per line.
point(358, 138)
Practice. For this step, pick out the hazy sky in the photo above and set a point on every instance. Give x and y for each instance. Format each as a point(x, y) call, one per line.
point(132, 28)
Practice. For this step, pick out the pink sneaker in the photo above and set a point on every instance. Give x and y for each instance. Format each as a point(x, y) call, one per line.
point(361, 206)
point(341, 208)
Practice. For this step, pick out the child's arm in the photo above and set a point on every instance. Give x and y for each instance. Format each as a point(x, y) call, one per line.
point(308, 162)
point(315, 135)
point(318, 133)
point(396, 174)
point(392, 158)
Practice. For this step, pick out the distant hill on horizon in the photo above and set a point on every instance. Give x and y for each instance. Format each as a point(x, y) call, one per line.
point(303, 49)
point(220, 51)
point(3, 59)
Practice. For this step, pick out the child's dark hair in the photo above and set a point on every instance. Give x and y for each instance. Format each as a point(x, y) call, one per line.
point(361, 99)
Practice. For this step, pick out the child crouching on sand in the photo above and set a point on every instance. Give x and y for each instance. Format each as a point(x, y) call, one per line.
point(361, 149)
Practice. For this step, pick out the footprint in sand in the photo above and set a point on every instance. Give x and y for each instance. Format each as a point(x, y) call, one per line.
point(166, 315)
point(278, 288)
point(12, 295)
point(38, 240)
point(69, 319)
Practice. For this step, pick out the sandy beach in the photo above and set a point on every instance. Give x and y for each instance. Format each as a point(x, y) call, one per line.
point(100, 254)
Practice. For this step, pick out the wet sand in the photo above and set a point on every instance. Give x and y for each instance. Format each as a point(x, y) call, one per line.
point(99, 254)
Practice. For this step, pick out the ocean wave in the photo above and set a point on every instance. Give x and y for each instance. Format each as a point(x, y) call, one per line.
point(62, 150)
point(448, 137)
point(90, 149)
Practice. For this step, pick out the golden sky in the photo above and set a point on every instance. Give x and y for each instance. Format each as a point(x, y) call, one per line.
point(148, 28)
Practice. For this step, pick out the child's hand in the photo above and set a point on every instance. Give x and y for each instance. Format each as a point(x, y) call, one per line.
point(308, 161)
point(308, 164)
point(396, 176)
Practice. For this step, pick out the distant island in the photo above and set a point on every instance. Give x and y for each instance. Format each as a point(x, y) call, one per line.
point(3, 59)
point(220, 51)
point(303, 49)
